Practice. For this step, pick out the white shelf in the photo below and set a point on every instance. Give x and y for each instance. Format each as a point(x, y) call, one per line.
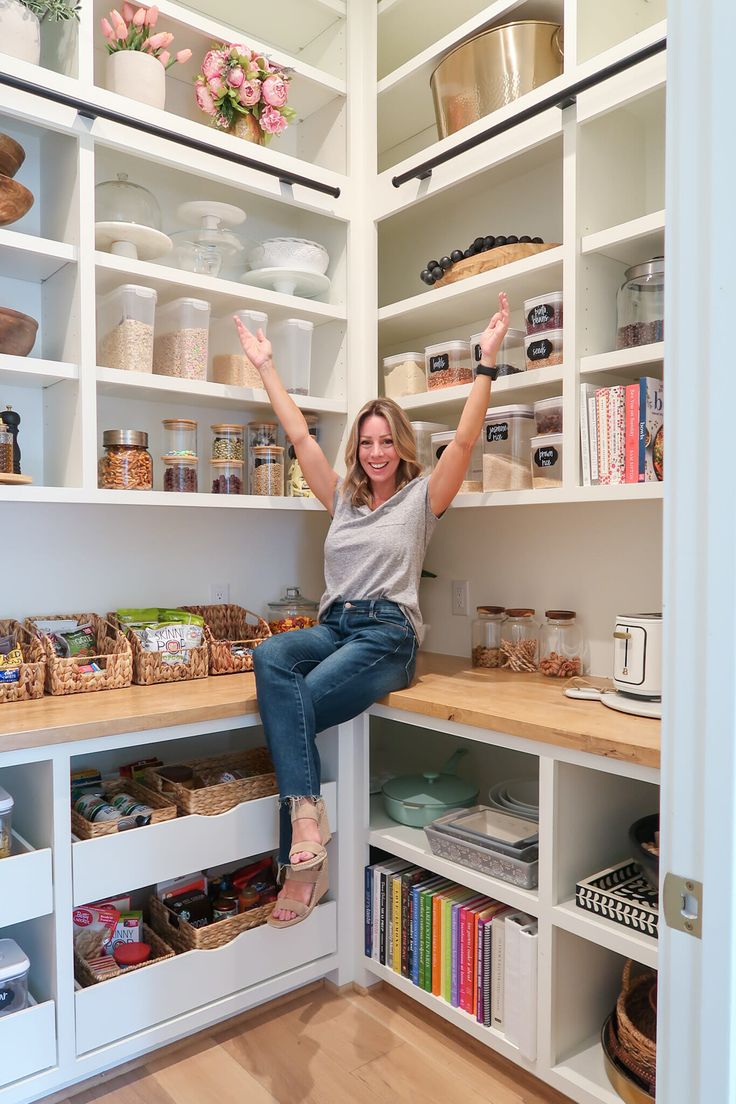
point(153, 388)
point(27, 257)
point(630, 242)
point(626, 362)
point(467, 300)
point(630, 88)
point(403, 24)
point(584, 1070)
point(17, 371)
point(80, 496)
point(606, 933)
point(293, 24)
point(411, 844)
point(627, 492)
point(522, 387)
point(223, 295)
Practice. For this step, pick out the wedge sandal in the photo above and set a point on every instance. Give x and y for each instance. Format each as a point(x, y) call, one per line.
point(306, 810)
point(318, 879)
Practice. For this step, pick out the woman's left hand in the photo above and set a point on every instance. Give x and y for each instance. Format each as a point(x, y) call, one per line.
point(494, 333)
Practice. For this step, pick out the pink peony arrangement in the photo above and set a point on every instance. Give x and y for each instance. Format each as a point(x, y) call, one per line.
point(134, 29)
point(235, 80)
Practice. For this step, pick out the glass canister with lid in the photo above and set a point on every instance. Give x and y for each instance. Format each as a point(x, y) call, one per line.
point(268, 470)
point(180, 437)
point(296, 484)
point(228, 441)
point(640, 305)
point(180, 473)
point(292, 611)
point(561, 646)
point(260, 435)
point(227, 476)
point(6, 818)
point(486, 636)
point(126, 464)
point(519, 640)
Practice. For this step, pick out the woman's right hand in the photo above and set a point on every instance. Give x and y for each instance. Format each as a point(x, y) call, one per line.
point(256, 347)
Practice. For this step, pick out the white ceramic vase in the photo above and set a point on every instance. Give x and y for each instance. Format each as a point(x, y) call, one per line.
point(20, 31)
point(137, 75)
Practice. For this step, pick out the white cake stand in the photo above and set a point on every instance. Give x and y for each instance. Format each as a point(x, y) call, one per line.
point(130, 239)
point(290, 281)
point(209, 214)
point(614, 699)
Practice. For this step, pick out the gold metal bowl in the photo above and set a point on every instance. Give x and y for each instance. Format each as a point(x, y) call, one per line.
point(628, 1089)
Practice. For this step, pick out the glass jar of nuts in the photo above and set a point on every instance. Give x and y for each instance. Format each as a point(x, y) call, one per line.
point(126, 464)
point(486, 636)
point(519, 644)
point(560, 645)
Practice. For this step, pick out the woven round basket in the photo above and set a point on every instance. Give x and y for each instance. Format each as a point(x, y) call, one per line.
point(227, 625)
point(163, 809)
point(630, 1084)
point(32, 673)
point(149, 668)
point(64, 676)
point(183, 937)
point(211, 800)
point(85, 973)
point(636, 1024)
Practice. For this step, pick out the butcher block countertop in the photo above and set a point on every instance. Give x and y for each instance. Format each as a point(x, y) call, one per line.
point(446, 687)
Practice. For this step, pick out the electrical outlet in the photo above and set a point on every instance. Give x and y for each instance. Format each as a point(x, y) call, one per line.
point(220, 592)
point(460, 597)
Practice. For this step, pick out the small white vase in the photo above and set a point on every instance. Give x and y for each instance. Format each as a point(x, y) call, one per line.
point(140, 76)
point(20, 31)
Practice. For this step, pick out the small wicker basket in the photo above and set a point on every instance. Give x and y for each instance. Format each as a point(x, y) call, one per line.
point(636, 1024)
point(149, 667)
point(160, 950)
point(226, 625)
point(211, 800)
point(64, 676)
point(183, 937)
point(32, 670)
point(163, 809)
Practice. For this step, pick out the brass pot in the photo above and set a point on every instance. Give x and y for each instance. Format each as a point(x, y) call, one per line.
point(493, 69)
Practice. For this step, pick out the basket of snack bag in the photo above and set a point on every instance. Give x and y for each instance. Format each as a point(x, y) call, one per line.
point(22, 663)
point(168, 645)
point(214, 785)
point(111, 939)
point(101, 807)
point(198, 912)
point(84, 652)
point(230, 636)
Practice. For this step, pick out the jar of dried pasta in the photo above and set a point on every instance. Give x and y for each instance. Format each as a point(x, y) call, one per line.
point(126, 464)
point(519, 641)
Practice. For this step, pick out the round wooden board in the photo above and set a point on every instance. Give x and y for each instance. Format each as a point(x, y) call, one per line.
point(493, 258)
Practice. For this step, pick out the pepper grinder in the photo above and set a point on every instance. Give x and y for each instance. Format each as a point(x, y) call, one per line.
point(12, 420)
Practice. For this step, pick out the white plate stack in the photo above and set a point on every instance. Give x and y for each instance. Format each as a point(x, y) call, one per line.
point(519, 796)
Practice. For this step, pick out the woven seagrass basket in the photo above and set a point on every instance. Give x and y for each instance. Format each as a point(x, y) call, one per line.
point(149, 668)
point(163, 809)
point(160, 950)
point(226, 625)
point(32, 670)
point(183, 937)
point(64, 676)
point(636, 1024)
point(211, 800)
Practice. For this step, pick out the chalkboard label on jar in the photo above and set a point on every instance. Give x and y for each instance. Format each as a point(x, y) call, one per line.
point(539, 350)
point(7, 998)
point(477, 353)
point(440, 450)
point(439, 363)
point(541, 315)
point(546, 456)
point(498, 431)
point(259, 460)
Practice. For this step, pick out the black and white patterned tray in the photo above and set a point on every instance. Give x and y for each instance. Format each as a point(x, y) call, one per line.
point(622, 894)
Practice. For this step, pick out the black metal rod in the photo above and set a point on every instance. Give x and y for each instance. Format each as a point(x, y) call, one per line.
point(564, 98)
point(92, 111)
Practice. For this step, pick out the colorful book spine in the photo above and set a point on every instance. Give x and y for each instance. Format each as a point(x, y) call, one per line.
point(651, 430)
point(436, 950)
point(408, 880)
point(593, 432)
point(586, 391)
point(631, 466)
point(414, 938)
point(617, 433)
point(455, 954)
point(498, 930)
point(487, 964)
point(395, 961)
point(418, 924)
point(382, 927)
point(367, 914)
point(602, 422)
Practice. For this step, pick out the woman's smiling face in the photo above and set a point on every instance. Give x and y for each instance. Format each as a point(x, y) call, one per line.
point(377, 454)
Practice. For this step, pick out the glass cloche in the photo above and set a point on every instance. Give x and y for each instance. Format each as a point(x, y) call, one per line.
point(123, 201)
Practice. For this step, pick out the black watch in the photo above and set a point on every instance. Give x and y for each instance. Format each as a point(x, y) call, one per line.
point(484, 370)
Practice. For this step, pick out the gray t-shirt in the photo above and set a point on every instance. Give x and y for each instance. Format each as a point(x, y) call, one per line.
point(379, 553)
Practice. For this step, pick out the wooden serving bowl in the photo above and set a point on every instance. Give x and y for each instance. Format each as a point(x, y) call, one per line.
point(17, 332)
point(15, 200)
point(12, 155)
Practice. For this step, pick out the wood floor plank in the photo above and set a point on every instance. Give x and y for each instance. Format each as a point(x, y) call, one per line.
point(408, 1075)
point(206, 1072)
point(130, 1088)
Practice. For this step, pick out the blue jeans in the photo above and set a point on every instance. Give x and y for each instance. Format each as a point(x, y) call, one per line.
point(315, 678)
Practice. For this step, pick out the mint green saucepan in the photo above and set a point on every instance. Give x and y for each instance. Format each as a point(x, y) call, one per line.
point(418, 799)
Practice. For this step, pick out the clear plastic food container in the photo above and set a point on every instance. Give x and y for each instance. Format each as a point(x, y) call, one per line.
point(180, 341)
point(228, 362)
point(510, 359)
point(292, 354)
point(228, 441)
point(546, 460)
point(543, 312)
point(404, 374)
point(268, 470)
point(227, 476)
point(125, 320)
point(473, 481)
point(180, 437)
point(14, 967)
point(180, 473)
point(548, 415)
point(543, 350)
point(423, 433)
point(6, 819)
point(507, 431)
point(448, 364)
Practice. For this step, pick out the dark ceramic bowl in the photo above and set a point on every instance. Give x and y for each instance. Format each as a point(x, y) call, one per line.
point(17, 332)
point(642, 831)
point(15, 200)
point(12, 155)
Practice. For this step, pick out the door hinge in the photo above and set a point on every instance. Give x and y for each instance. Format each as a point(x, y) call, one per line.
point(682, 904)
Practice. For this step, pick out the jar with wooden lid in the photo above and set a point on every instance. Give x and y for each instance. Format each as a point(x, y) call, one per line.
point(561, 645)
point(260, 434)
point(519, 642)
point(227, 476)
point(180, 473)
point(6, 449)
point(486, 636)
point(126, 464)
point(268, 470)
point(227, 441)
point(180, 437)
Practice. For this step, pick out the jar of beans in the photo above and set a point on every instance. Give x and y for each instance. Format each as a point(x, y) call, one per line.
point(486, 636)
point(180, 437)
point(227, 476)
point(519, 643)
point(640, 305)
point(268, 470)
point(227, 441)
point(126, 464)
point(560, 645)
point(260, 434)
point(180, 473)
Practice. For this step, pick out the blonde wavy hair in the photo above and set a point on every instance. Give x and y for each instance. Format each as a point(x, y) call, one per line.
point(356, 485)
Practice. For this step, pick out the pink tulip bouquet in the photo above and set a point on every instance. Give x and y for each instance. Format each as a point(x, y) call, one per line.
point(238, 81)
point(134, 29)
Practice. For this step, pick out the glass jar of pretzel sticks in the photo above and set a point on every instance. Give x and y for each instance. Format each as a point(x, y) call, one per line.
point(519, 640)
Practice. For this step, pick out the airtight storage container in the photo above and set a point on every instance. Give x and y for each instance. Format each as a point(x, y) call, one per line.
point(180, 340)
point(228, 362)
point(423, 433)
point(292, 354)
point(125, 320)
point(507, 431)
point(474, 475)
